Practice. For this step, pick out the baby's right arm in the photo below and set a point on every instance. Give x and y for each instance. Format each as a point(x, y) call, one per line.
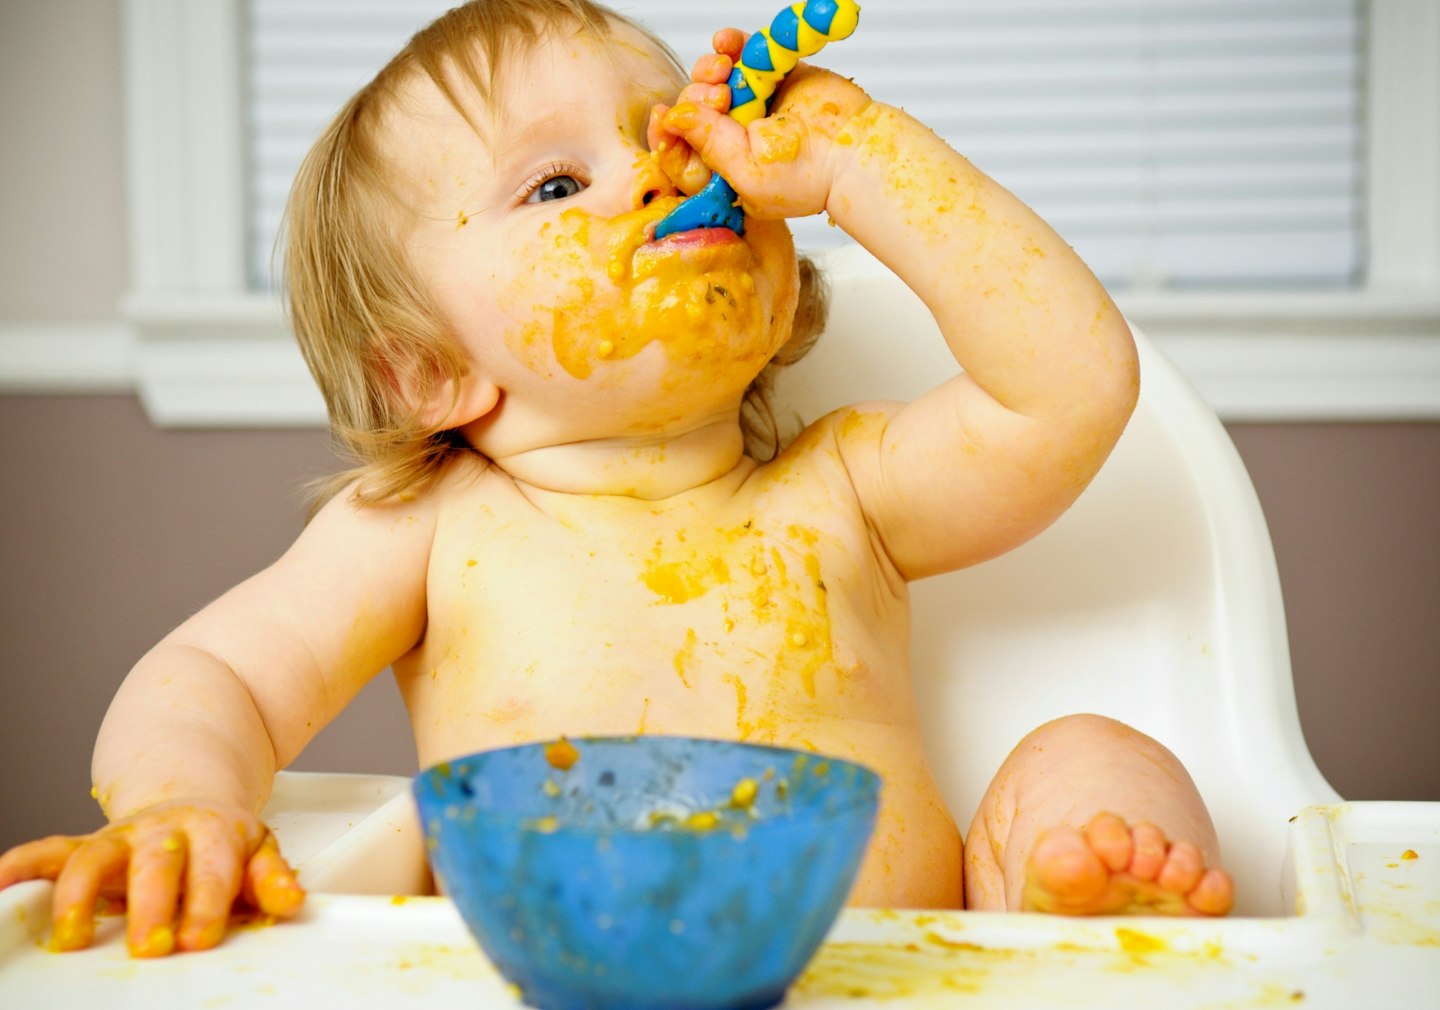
point(190, 745)
point(1048, 373)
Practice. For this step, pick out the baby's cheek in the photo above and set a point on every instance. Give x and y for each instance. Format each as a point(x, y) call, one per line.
point(554, 281)
point(581, 302)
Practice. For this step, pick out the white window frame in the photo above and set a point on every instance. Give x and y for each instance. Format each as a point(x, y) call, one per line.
point(202, 350)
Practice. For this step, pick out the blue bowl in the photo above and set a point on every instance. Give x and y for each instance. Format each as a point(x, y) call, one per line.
point(652, 871)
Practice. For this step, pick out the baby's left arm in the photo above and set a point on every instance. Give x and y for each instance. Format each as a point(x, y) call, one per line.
point(992, 456)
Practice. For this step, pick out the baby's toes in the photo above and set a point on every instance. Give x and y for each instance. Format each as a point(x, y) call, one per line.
point(1066, 869)
point(1214, 894)
point(1110, 839)
point(1184, 866)
point(1151, 847)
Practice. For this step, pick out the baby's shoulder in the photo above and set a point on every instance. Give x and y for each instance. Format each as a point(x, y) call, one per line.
point(360, 502)
point(816, 470)
point(830, 439)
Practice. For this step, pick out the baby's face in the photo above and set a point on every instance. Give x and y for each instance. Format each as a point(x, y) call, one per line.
point(535, 241)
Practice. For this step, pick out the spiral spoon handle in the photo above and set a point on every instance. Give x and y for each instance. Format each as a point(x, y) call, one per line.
point(798, 31)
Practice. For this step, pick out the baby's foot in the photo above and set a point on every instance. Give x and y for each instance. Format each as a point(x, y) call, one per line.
point(1110, 868)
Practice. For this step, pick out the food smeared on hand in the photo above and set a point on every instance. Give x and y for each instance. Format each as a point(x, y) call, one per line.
point(798, 31)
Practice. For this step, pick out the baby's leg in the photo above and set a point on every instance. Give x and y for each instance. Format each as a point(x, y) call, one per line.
point(1088, 816)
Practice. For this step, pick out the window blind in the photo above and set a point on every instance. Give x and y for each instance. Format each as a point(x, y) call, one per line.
point(1177, 144)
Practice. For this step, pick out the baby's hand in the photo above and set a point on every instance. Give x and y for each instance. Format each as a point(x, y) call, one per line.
point(197, 856)
point(781, 165)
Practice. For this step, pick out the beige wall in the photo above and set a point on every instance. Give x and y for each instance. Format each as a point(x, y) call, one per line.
point(1354, 513)
point(62, 199)
point(111, 532)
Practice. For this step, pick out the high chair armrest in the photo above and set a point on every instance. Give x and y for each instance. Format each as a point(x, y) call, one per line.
point(350, 834)
point(1367, 866)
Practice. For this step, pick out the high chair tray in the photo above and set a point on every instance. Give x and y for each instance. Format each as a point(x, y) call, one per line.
point(1368, 935)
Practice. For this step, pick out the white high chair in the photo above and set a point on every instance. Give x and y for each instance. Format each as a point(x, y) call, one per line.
point(1154, 600)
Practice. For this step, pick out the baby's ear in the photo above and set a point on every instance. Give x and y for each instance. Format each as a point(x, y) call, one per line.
point(453, 404)
point(439, 400)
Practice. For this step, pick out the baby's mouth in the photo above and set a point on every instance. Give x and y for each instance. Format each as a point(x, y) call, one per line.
point(698, 251)
point(695, 238)
point(635, 251)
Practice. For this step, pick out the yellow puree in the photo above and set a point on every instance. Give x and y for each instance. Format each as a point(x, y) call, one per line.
point(623, 299)
point(769, 587)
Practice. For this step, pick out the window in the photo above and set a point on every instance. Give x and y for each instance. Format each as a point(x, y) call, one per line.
point(1176, 144)
point(1259, 180)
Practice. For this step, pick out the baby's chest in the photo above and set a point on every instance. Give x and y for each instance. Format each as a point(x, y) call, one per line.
point(755, 588)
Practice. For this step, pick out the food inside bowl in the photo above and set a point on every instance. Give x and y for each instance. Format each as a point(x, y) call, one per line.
point(675, 813)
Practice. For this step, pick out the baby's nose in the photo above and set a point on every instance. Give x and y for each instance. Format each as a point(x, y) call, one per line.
point(650, 182)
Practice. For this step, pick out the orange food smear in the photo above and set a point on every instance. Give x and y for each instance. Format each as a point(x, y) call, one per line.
point(684, 303)
point(561, 754)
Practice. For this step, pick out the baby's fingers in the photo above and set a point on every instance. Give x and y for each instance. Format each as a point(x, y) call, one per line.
point(719, 140)
point(712, 68)
point(729, 42)
point(154, 889)
point(678, 161)
point(715, 96)
point(270, 883)
point(212, 880)
point(40, 860)
point(94, 861)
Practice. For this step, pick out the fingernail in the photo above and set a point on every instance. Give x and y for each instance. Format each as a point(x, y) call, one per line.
point(157, 943)
point(202, 937)
point(72, 931)
point(279, 893)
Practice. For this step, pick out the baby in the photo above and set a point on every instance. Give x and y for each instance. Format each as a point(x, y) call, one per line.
point(559, 527)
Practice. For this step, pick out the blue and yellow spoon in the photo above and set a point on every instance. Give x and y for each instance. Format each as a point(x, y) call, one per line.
point(798, 31)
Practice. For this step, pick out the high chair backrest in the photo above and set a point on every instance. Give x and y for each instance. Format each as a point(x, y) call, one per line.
point(1154, 600)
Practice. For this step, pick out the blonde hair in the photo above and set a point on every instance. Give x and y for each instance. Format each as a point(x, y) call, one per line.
point(365, 324)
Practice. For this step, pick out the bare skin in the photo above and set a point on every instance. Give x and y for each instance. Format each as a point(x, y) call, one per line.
point(1089, 817)
point(716, 596)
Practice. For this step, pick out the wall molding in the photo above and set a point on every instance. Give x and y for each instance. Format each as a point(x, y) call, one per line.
point(1371, 355)
point(220, 362)
point(71, 356)
point(1281, 378)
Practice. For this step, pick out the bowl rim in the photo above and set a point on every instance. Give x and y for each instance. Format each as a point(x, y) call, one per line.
point(866, 795)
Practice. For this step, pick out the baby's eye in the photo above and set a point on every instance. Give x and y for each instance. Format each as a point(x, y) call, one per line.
point(556, 187)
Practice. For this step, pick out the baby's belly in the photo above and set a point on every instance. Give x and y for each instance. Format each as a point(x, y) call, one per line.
point(914, 858)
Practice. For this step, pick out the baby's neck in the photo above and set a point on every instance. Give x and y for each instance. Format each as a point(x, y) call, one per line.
point(649, 468)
